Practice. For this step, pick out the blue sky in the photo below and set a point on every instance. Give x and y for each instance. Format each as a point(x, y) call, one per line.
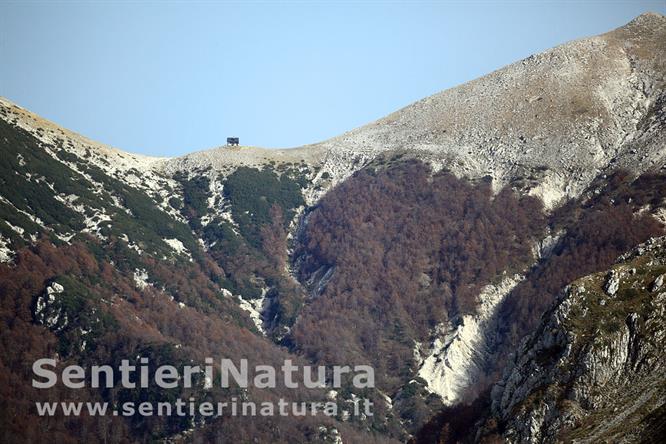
point(167, 78)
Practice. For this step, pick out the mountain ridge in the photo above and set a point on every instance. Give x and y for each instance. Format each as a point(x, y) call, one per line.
point(470, 128)
point(555, 122)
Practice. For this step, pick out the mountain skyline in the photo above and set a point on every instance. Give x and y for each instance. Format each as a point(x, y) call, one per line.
point(194, 83)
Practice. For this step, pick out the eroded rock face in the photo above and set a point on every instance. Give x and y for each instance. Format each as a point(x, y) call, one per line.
point(612, 283)
point(658, 283)
point(594, 369)
point(47, 312)
point(458, 353)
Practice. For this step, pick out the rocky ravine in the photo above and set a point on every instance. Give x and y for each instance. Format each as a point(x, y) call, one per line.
point(457, 354)
point(593, 371)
